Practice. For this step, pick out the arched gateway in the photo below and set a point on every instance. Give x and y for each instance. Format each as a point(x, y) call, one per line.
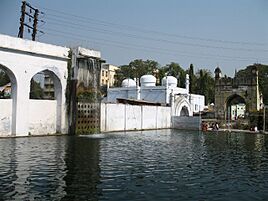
point(236, 97)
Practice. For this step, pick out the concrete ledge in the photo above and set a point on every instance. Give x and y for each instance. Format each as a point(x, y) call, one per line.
point(28, 46)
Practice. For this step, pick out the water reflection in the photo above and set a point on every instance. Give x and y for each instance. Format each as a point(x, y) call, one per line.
point(149, 165)
point(48, 168)
point(82, 164)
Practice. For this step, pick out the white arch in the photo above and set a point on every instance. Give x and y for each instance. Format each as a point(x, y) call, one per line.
point(181, 102)
point(13, 80)
point(54, 73)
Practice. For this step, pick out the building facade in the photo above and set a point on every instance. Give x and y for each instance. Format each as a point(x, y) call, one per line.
point(241, 92)
point(107, 76)
point(183, 103)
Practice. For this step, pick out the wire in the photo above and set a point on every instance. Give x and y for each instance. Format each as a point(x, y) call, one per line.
point(105, 23)
point(106, 31)
point(138, 47)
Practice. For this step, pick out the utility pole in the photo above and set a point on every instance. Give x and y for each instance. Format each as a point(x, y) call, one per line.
point(22, 18)
point(35, 24)
point(26, 10)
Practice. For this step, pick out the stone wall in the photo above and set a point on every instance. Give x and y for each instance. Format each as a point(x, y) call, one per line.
point(187, 123)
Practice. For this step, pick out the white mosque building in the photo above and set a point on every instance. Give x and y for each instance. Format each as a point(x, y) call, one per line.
point(179, 99)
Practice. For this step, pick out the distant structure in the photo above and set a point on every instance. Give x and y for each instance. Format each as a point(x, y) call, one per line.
point(182, 102)
point(236, 97)
point(48, 87)
point(107, 75)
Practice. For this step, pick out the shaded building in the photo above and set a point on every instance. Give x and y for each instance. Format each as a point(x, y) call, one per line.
point(241, 92)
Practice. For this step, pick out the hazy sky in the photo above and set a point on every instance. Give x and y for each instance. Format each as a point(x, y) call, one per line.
point(207, 33)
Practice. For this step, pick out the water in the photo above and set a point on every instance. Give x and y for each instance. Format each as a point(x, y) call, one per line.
point(151, 165)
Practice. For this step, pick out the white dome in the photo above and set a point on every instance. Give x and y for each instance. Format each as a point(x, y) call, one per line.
point(128, 83)
point(172, 81)
point(147, 81)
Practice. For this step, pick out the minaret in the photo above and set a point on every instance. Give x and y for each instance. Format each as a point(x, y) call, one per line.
point(187, 83)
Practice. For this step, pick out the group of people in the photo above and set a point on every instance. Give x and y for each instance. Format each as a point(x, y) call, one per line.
point(214, 126)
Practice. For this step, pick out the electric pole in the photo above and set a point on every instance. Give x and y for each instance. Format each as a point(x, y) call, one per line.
point(35, 24)
point(22, 18)
point(26, 10)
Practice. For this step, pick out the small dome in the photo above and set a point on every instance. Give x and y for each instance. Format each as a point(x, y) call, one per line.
point(128, 83)
point(147, 81)
point(172, 81)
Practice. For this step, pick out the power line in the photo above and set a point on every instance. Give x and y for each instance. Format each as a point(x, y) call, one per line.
point(76, 25)
point(109, 24)
point(139, 47)
point(26, 10)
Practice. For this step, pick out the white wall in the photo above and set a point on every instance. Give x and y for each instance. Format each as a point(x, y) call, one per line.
point(124, 92)
point(119, 117)
point(197, 102)
point(42, 117)
point(5, 117)
point(154, 94)
point(24, 59)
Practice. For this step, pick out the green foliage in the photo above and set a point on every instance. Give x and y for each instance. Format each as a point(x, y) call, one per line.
point(263, 78)
point(87, 131)
point(205, 85)
point(202, 83)
point(135, 69)
point(36, 91)
point(4, 78)
point(175, 70)
point(88, 96)
point(192, 78)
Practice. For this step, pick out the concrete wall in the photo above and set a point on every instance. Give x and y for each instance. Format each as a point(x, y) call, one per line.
point(119, 117)
point(187, 123)
point(5, 117)
point(42, 117)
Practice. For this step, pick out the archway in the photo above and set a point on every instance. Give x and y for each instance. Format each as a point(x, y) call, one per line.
point(184, 111)
point(46, 103)
point(235, 107)
point(8, 101)
point(182, 106)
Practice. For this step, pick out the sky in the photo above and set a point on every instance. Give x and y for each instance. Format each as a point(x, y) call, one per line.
point(207, 33)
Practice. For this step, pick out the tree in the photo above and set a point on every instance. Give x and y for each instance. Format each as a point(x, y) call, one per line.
point(36, 91)
point(205, 85)
point(192, 78)
point(135, 69)
point(174, 69)
point(4, 78)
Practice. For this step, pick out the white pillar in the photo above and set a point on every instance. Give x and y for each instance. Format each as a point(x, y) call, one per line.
point(21, 110)
point(187, 83)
